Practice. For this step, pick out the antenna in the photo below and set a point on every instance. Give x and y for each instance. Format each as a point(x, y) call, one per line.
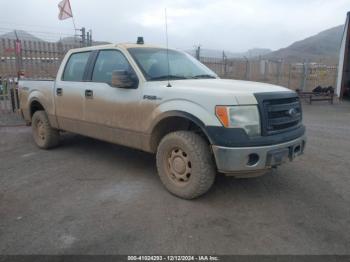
point(167, 47)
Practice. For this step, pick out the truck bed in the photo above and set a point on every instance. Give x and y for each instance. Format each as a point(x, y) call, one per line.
point(43, 89)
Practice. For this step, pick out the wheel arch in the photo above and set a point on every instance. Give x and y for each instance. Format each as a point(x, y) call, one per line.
point(172, 121)
point(35, 105)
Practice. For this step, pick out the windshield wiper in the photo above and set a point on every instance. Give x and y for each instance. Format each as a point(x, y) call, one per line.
point(203, 76)
point(165, 77)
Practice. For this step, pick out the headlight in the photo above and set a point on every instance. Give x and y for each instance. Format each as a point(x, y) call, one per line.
point(246, 117)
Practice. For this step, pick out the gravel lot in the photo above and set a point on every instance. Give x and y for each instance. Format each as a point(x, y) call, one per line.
point(93, 197)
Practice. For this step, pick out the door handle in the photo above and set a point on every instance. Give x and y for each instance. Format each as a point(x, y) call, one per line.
point(89, 93)
point(59, 91)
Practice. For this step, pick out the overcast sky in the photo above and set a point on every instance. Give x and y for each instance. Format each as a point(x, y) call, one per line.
point(232, 25)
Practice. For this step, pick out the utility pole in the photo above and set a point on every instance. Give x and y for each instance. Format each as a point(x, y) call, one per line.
point(224, 60)
point(18, 51)
point(198, 52)
point(90, 40)
point(83, 36)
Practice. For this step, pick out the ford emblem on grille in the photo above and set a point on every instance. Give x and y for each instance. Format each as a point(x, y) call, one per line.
point(292, 112)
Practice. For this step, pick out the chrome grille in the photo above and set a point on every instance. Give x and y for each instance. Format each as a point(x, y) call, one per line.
point(282, 114)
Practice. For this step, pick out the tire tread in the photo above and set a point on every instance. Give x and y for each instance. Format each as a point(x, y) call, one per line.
point(52, 135)
point(202, 150)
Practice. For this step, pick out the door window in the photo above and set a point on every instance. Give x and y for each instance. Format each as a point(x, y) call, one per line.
point(75, 67)
point(107, 62)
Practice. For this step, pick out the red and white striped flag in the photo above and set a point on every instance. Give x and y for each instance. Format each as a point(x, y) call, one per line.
point(65, 10)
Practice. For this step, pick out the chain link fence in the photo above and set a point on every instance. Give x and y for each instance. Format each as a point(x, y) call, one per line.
point(9, 103)
point(32, 59)
point(302, 76)
point(41, 60)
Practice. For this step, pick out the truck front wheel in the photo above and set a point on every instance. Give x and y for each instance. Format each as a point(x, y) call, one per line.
point(44, 135)
point(185, 164)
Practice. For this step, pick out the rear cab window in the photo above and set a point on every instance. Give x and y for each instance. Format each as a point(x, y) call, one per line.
point(75, 67)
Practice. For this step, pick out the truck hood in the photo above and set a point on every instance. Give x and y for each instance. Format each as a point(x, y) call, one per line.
point(228, 85)
point(243, 91)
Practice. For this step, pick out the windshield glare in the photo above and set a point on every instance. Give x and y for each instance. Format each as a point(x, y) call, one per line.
point(154, 65)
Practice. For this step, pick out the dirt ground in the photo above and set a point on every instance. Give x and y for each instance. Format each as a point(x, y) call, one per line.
point(92, 197)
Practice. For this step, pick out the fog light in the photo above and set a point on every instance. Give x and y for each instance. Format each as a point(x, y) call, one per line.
point(253, 159)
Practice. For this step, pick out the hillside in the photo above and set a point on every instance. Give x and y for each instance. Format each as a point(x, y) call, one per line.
point(21, 34)
point(323, 47)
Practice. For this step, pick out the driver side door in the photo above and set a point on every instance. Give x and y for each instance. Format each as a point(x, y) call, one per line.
point(112, 114)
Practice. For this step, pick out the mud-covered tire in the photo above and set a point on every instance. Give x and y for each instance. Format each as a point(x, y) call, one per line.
point(181, 153)
point(44, 135)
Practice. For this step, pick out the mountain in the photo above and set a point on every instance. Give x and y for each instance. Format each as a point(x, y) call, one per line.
point(322, 47)
point(21, 34)
point(256, 52)
point(70, 40)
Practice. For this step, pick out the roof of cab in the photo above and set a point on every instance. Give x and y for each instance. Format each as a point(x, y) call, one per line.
point(121, 46)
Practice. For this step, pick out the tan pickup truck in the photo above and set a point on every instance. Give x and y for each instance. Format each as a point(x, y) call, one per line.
point(164, 101)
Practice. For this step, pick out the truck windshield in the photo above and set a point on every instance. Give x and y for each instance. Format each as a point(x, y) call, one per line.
point(154, 65)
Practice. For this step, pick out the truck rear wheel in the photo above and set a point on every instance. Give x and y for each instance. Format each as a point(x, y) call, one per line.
point(44, 135)
point(185, 164)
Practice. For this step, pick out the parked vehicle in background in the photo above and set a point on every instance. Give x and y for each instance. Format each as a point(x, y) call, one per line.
point(165, 102)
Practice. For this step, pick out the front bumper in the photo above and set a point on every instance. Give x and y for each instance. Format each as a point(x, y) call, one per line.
point(232, 160)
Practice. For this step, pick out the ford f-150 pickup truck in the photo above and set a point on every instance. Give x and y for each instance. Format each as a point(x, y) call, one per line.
point(166, 102)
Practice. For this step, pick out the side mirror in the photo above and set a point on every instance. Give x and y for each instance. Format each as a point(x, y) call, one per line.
point(124, 79)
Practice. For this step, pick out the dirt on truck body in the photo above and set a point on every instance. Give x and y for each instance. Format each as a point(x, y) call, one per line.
point(166, 102)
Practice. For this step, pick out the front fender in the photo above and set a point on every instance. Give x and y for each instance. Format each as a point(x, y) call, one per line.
point(205, 116)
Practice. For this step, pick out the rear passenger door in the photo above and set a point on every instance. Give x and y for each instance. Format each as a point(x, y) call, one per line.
point(69, 93)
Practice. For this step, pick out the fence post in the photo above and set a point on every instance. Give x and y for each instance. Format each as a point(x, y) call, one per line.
point(266, 73)
point(60, 50)
point(289, 74)
point(5, 67)
point(15, 93)
point(198, 52)
point(30, 67)
point(224, 61)
point(304, 76)
point(279, 71)
point(12, 64)
point(247, 68)
point(18, 56)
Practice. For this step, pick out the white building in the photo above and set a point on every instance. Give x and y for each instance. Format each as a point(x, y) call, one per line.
point(343, 80)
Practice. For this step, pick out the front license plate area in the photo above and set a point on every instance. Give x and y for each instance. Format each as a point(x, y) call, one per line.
point(277, 157)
